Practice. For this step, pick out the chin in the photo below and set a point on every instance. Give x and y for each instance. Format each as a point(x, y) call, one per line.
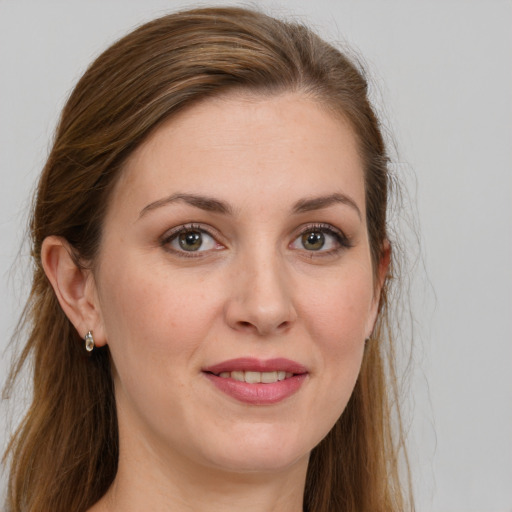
point(273, 462)
point(261, 453)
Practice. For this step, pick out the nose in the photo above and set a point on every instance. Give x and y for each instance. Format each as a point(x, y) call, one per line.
point(260, 301)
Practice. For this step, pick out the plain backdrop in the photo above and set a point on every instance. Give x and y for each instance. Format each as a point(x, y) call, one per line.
point(442, 74)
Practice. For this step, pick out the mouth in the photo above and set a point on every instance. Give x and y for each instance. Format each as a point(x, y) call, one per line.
point(255, 381)
point(252, 377)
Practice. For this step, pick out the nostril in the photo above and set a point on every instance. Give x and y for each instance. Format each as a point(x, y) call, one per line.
point(249, 327)
point(252, 317)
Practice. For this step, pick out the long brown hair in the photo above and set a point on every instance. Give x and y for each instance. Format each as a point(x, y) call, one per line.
point(64, 454)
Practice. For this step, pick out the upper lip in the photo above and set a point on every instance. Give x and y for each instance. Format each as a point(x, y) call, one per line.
point(251, 364)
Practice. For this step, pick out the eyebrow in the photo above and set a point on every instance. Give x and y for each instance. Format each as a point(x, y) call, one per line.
point(203, 202)
point(318, 203)
point(215, 205)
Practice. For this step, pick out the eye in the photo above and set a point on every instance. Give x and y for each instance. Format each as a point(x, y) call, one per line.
point(190, 239)
point(313, 240)
point(321, 238)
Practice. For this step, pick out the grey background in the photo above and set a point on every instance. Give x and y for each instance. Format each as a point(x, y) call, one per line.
point(443, 71)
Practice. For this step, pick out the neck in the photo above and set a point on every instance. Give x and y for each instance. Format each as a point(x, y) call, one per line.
point(147, 480)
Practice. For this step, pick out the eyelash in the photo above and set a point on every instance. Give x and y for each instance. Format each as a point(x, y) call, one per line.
point(174, 233)
point(341, 239)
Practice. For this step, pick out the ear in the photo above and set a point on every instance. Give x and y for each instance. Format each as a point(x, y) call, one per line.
point(382, 272)
point(74, 287)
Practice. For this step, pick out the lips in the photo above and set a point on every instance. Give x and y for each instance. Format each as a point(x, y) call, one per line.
point(255, 381)
point(257, 365)
point(256, 377)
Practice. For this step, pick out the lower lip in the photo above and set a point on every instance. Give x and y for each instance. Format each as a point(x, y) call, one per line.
point(258, 394)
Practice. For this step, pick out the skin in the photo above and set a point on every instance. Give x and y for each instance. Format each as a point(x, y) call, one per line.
point(253, 289)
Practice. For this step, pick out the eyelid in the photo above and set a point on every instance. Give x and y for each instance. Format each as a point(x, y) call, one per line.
point(172, 233)
point(343, 240)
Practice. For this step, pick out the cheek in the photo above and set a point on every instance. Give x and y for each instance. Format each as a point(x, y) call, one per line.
point(337, 319)
point(156, 325)
point(149, 313)
point(339, 312)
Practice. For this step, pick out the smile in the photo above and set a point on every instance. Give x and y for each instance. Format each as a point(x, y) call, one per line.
point(257, 382)
point(256, 377)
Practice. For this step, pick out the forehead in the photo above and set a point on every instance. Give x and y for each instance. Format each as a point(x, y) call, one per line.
point(246, 149)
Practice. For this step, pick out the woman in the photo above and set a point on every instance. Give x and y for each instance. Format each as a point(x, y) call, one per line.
point(208, 311)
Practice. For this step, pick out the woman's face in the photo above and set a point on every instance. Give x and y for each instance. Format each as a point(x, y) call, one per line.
point(235, 250)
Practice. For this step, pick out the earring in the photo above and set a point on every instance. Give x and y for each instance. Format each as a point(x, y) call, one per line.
point(89, 342)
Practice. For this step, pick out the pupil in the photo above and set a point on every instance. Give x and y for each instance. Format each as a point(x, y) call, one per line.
point(313, 240)
point(190, 241)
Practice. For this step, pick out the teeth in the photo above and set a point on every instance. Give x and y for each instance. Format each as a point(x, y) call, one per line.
point(268, 377)
point(257, 377)
point(238, 376)
point(252, 377)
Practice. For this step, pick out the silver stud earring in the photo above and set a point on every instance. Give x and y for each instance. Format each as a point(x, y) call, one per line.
point(89, 342)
